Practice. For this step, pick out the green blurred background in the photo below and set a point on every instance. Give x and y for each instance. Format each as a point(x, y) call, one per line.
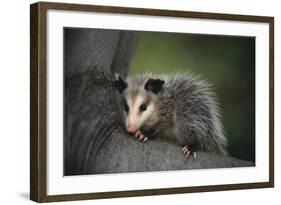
point(227, 62)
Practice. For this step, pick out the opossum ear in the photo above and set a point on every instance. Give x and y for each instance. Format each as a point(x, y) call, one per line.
point(154, 85)
point(119, 83)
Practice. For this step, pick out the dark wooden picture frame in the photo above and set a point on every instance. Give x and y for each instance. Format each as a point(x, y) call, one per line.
point(38, 101)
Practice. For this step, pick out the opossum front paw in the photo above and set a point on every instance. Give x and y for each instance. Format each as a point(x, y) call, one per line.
point(141, 136)
point(189, 150)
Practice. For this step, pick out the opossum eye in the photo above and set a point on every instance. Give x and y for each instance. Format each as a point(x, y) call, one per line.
point(143, 107)
point(126, 108)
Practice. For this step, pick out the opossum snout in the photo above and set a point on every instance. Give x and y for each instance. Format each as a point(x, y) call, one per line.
point(131, 129)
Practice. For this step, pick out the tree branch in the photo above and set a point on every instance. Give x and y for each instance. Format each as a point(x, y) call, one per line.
point(98, 144)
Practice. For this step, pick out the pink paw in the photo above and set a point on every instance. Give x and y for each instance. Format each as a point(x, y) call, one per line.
point(140, 136)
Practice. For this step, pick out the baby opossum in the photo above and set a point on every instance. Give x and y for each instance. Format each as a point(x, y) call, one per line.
point(178, 107)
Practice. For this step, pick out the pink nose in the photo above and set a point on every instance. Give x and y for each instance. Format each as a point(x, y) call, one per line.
point(131, 129)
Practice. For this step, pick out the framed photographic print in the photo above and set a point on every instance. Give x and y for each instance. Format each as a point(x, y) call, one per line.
point(134, 102)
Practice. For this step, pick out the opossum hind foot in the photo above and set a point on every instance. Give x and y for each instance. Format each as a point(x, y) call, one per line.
point(141, 136)
point(188, 150)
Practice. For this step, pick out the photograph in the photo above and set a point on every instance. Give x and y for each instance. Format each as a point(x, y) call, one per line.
point(143, 101)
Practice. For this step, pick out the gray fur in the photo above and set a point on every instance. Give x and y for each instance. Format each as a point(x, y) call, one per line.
point(187, 108)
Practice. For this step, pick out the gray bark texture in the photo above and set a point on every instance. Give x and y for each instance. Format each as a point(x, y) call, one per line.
point(94, 140)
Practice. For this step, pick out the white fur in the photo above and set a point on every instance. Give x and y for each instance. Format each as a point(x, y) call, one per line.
point(135, 117)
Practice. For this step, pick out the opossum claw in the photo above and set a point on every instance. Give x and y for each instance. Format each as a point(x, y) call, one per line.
point(145, 139)
point(194, 155)
point(186, 150)
point(140, 136)
point(187, 154)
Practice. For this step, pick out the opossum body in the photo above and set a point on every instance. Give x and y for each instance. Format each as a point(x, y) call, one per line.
point(181, 108)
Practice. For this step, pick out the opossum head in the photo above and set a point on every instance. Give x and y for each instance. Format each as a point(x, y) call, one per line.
point(141, 96)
